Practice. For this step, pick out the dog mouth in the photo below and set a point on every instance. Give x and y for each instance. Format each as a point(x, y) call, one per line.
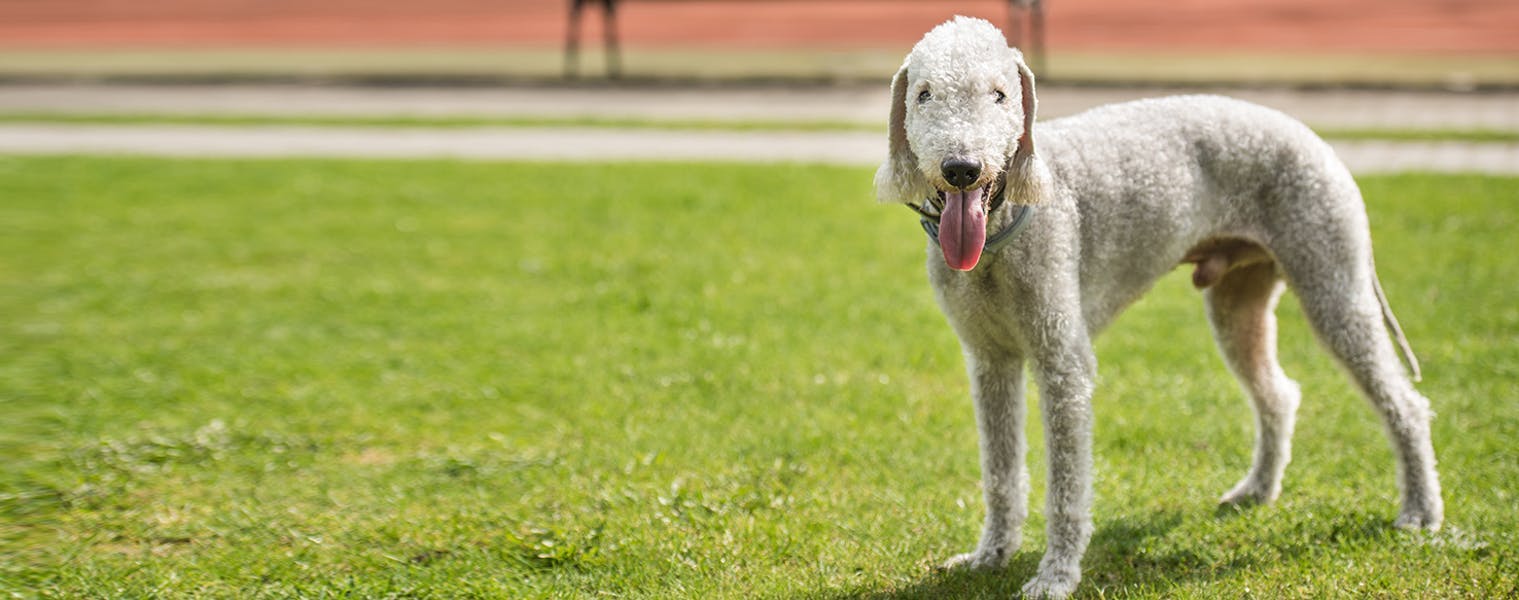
point(961, 217)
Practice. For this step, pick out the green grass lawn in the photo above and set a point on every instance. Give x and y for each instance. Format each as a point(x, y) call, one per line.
point(1478, 135)
point(454, 379)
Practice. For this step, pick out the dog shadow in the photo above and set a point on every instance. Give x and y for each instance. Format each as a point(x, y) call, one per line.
point(1122, 555)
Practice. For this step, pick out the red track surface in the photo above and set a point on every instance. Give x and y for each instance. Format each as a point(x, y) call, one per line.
point(1487, 26)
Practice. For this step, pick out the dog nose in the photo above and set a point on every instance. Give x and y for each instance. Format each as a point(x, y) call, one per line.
point(961, 172)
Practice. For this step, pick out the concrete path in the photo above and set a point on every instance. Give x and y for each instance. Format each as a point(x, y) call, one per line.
point(845, 148)
point(868, 104)
point(1341, 109)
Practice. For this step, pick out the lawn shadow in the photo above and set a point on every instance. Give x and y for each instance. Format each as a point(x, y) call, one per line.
point(937, 583)
point(1124, 553)
point(1127, 553)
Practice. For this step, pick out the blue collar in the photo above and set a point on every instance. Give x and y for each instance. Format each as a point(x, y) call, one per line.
point(997, 240)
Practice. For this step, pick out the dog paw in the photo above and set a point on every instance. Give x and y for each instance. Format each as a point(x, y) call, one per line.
point(1247, 493)
point(979, 560)
point(1050, 586)
point(1419, 519)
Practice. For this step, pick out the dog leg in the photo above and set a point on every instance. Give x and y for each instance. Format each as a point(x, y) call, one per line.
point(1241, 308)
point(997, 386)
point(1346, 316)
point(1066, 371)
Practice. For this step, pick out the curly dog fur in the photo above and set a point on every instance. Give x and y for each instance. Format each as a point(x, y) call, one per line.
point(1122, 195)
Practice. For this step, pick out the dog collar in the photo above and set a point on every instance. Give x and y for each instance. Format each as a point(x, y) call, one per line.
point(997, 240)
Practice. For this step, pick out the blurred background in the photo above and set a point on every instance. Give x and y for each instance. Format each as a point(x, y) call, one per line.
point(501, 375)
point(1447, 43)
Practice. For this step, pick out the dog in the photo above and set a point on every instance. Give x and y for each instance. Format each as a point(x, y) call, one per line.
point(1040, 235)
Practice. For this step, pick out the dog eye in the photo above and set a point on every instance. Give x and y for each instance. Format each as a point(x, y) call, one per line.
point(924, 96)
point(1001, 97)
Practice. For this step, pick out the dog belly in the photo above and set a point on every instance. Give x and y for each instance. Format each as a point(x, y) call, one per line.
point(1120, 264)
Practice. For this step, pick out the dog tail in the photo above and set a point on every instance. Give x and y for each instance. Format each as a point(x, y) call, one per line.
point(1396, 330)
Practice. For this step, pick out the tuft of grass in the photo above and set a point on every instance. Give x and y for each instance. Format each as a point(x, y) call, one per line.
point(449, 379)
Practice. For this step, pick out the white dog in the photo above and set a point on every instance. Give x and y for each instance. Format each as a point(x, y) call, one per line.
point(1038, 239)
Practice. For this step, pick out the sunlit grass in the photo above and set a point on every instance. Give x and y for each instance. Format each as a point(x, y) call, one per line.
point(308, 378)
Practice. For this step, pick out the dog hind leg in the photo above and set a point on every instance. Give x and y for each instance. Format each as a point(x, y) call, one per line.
point(1348, 319)
point(1241, 308)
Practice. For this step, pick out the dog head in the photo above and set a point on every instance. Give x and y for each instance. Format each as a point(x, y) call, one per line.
point(962, 109)
point(962, 112)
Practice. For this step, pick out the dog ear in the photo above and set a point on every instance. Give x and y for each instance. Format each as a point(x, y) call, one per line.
point(1025, 176)
point(898, 181)
point(1025, 78)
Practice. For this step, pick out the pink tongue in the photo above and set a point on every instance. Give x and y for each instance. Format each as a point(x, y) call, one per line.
point(962, 229)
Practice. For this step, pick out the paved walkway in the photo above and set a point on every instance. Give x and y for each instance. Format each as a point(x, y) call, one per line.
point(1340, 109)
point(845, 148)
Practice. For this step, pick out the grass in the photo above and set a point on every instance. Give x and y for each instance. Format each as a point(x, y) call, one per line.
point(1480, 136)
point(1331, 69)
point(447, 379)
point(1476, 136)
point(486, 64)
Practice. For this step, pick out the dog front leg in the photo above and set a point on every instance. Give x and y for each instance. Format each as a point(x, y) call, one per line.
point(1065, 380)
point(997, 388)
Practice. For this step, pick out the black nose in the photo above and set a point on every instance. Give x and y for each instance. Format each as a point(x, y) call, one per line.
point(961, 172)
